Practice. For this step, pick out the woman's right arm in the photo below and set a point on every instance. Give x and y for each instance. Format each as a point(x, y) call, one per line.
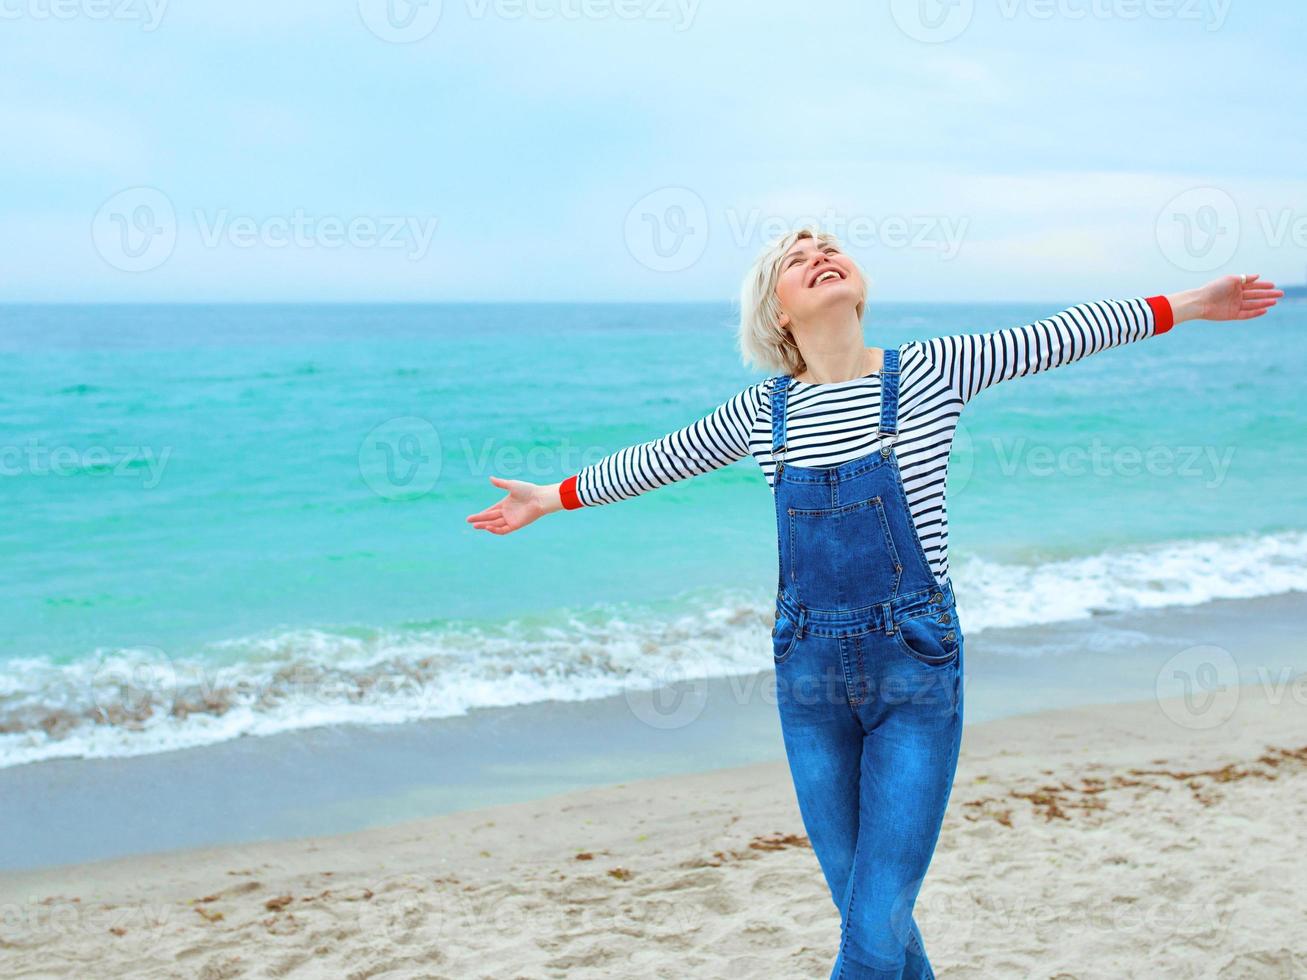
point(717, 439)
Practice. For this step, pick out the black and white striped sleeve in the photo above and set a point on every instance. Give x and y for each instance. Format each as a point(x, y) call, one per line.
point(973, 362)
point(719, 438)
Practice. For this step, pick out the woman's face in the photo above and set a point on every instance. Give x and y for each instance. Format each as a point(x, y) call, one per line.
point(815, 278)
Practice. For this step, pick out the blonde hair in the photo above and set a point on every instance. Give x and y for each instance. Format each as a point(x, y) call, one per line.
point(762, 341)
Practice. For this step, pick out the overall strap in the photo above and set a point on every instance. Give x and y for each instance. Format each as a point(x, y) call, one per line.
point(780, 388)
point(889, 398)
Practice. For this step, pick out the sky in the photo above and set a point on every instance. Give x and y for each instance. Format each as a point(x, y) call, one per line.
point(575, 150)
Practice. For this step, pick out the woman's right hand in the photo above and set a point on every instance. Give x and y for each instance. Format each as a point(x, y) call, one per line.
point(524, 503)
point(1226, 298)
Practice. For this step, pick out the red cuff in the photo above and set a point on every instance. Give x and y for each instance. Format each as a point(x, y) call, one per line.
point(1163, 317)
point(567, 493)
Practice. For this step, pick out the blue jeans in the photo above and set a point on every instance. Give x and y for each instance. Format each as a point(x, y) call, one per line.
point(872, 723)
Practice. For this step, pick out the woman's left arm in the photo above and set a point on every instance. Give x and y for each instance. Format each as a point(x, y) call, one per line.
point(973, 362)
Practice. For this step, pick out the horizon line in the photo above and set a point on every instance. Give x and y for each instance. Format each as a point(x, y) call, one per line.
point(483, 302)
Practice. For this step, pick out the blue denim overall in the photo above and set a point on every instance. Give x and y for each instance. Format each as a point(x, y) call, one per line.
point(868, 654)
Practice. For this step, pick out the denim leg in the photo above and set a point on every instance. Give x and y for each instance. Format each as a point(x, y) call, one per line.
point(823, 743)
point(908, 763)
point(917, 964)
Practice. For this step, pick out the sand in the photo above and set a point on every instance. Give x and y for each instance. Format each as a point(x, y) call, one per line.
point(1121, 840)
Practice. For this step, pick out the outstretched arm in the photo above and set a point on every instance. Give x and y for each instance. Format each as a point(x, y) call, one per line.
point(974, 362)
point(711, 442)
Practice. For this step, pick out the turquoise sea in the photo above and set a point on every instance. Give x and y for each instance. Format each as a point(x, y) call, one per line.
point(236, 520)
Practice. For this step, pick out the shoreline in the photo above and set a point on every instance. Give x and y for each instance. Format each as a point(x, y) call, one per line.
point(1077, 840)
point(337, 779)
point(126, 698)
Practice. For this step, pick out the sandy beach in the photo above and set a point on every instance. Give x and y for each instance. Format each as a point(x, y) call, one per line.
point(1121, 840)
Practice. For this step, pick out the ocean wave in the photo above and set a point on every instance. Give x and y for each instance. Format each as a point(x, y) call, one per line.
point(137, 701)
point(1174, 573)
point(143, 700)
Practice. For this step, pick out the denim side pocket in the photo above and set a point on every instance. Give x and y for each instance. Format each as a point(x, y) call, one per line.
point(784, 638)
point(931, 639)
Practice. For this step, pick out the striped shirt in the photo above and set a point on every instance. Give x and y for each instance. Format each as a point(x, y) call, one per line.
point(832, 423)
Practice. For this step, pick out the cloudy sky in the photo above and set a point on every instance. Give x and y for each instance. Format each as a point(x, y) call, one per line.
point(644, 149)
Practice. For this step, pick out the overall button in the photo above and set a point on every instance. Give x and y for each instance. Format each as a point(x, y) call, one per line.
point(945, 618)
point(937, 597)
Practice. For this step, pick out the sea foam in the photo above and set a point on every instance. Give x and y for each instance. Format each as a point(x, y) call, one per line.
point(121, 702)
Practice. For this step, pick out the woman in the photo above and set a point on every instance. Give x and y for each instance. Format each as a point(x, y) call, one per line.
point(867, 646)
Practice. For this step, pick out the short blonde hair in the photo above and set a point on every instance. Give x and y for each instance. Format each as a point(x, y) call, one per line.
point(762, 341)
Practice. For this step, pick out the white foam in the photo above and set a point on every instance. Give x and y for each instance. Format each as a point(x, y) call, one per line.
point(1177, 573)
point(132, 702)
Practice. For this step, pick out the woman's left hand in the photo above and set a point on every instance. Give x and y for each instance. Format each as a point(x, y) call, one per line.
point(1233, 298)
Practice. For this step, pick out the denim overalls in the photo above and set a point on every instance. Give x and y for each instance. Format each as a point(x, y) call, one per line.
point(868, 654)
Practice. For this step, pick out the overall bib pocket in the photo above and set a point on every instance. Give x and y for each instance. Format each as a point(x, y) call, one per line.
point(843, 553)
point(929, 638)
point(784, 638)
